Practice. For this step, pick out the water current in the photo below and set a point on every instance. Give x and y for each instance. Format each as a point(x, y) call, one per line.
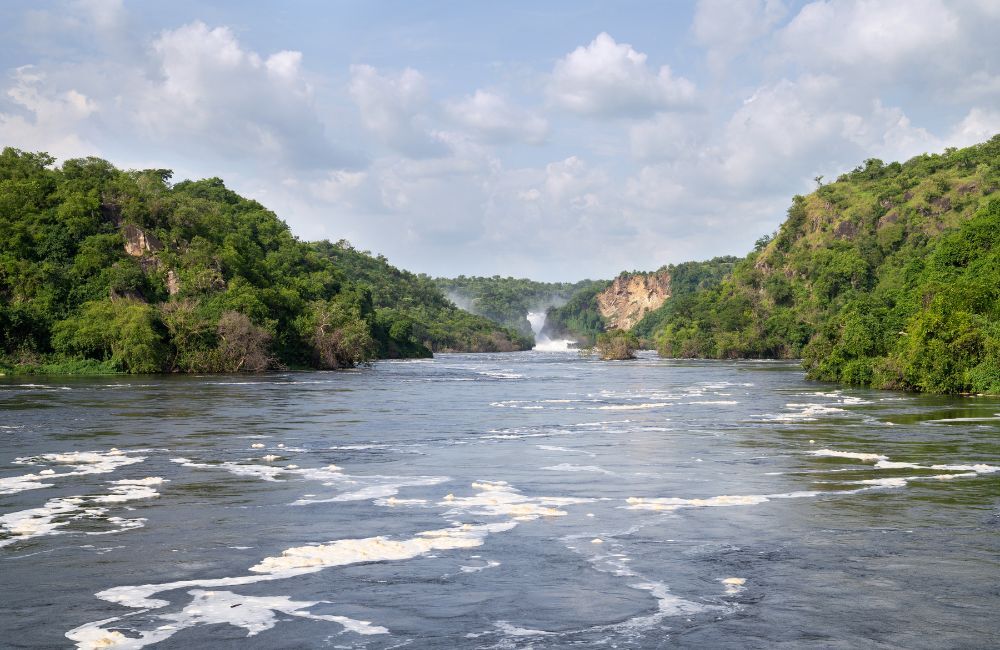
point(522, 500)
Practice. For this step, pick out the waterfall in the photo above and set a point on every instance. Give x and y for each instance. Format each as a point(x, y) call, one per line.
point(542, 342)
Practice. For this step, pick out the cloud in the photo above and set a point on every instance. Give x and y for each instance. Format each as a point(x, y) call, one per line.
point(489, 117)
point(878, 36)
point(797, 128)
point(727, 27)
point(668, 136)
point(48, 119)
point(211, 92)
point(979, 125)
point(608, 79)
point(393, 108)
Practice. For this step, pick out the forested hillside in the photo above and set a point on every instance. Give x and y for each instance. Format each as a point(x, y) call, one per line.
point(508, 300)
point(109, 270)
point(580, 318)
point(888, 277)
point(418, 302)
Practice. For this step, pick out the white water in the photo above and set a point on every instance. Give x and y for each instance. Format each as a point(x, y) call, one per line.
point(542, 342)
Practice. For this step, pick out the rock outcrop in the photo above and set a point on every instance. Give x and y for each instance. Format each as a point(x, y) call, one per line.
point(139, 242)
point(630, 297)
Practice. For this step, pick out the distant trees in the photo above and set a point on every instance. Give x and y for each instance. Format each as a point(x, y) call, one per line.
point(508, 300)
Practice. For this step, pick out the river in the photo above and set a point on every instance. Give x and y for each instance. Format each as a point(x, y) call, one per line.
point(521, 500)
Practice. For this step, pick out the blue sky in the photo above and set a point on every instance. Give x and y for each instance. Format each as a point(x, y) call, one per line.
point(556, 140)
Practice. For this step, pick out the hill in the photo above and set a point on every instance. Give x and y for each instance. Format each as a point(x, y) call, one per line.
point(634, 301)
point(888, 277)
point(509, 300)
point(109, 270)
point(418, 300)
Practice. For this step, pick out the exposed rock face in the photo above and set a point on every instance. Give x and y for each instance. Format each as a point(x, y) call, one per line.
point(138, 242)
point(173, 283)
point(630, 297)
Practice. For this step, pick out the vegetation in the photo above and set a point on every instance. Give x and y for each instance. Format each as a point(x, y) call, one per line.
point(888, 277)
point(616, 345)
point(686, 280)
point(580, 318)
point(508, 300)
point(417, 303)
point(108, 270)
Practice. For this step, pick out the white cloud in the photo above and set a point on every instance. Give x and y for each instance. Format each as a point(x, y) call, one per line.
point(606, 78)
point(212, 92)
point(668, 136)
point(393, 108)
point(727, 27)
point(979, 125)
point(877, 36)
point(491, 118)
point(49, 119)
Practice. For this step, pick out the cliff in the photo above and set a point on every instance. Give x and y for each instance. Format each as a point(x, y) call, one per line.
point(631, 296)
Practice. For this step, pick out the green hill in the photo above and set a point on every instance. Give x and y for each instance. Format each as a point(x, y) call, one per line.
point(888, 277)
point(109, 270)
point(508, 300)
point(580, 318)
point(434, 320)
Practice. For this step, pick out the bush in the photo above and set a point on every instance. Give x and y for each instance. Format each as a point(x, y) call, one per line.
point(616, 345)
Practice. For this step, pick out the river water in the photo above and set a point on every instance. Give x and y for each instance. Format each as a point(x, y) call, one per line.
point(524, 500)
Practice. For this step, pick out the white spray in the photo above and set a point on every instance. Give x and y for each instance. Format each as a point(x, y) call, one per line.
point(542, 342)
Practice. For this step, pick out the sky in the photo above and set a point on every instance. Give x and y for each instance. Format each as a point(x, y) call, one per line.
point(550, 140)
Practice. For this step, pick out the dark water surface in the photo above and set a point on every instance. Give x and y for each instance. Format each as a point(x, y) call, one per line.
point(528, 500)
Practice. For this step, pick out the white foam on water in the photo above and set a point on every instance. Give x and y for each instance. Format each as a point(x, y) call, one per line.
point(831, 453)
point(14, 484)
point(733, 585)
point(49, 518)
point(895, 482)
point(804, 413)
point(674, 503)
point(979, 419)
point(720, 402)
point(359, 447)
point(255, 614)
point(889, 464)
point(948, 477)
point(517, 434)
point(501, 374)
point(362, 488)
point(357, 488)
point(566, 450)
point(566, 467)
point(81, 462)
point(392, 502)
point(378, 549)
point(980, 468)
point(629, 407)
point(499, 499)
point(509, 630)
point(476, 569)
point(264, 472)
point(669, 504)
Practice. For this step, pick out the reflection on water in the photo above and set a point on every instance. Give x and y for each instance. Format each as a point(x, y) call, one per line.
point(528, 500)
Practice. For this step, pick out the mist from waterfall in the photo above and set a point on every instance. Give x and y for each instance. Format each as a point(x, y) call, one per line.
point(542, 342)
